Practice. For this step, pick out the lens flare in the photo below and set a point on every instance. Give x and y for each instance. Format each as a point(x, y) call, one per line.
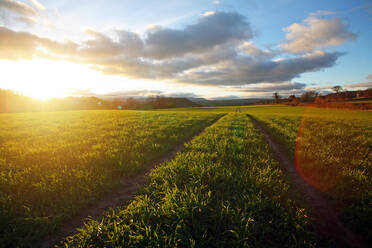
point(329, 152)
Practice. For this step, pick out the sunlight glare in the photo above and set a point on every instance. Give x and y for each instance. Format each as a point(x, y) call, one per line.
point(43, 79)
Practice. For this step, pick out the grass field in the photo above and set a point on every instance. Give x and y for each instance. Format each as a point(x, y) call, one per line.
point(333, 152)
point(225, 189)
point(52, 164)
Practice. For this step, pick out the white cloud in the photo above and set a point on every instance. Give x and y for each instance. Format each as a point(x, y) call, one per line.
point(251, 49)
point(316, 33)
point(216, 50)
point(17, 7)
point(37, 4)
point(208, 13)
point(14, 11)
point(359, 85)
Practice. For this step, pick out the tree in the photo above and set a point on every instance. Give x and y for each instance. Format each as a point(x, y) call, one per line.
point(309, 96)
point(291, 98)
point(131, 103)
point(368, 93)
point(276, 97)
point(337, 88)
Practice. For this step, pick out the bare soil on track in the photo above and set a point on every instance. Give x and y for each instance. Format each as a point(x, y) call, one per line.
point(324, 210)
point(120, 197)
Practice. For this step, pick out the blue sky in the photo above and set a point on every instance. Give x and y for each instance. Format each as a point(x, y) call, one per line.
point(193, 48)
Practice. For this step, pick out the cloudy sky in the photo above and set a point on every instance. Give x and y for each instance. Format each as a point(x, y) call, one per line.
point(198, 48)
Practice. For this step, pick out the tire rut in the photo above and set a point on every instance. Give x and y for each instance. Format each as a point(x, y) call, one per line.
point(119, 197)
point(323, 210)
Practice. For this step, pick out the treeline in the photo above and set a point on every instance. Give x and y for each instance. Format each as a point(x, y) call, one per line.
point(339, 99)
point(11, 102)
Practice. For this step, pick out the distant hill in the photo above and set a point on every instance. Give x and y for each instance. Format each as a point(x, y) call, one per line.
point(167, 102)
point(229, 102)
point(11, 102)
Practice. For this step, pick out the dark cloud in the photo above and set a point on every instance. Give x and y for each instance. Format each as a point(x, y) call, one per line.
point(209, 31)
point(22, 12)
point(182, 95)
point(115, 94)
point(213, 51)
point(23, 45)
point(247, 70)
point(130, 93)
point(164, 69)
point(230, 97)
point(100, 46)
point(17, 45)
point(17, 7)
point(270, 87)
point(266, 90)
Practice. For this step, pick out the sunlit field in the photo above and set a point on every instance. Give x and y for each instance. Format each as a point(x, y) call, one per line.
point(52, 164)
point(206, 124)
point(332, 151)
point(225, 189)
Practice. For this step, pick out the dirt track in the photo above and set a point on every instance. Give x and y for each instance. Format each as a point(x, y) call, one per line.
point(322, 209)
point(118, 198)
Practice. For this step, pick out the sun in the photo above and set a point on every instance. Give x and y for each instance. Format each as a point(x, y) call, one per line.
point(43, 79)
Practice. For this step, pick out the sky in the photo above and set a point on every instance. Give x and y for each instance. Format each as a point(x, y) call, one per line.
point(216, 49)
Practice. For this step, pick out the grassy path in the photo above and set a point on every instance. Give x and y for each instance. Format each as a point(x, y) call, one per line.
point(224, 190)
point(323, 210)
point(120, 197)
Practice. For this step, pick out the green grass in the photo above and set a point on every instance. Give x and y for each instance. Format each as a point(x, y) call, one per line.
point(227, 109)
point(224, 190)
point(334, 154)
point(361, 100)
point(53, 164)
